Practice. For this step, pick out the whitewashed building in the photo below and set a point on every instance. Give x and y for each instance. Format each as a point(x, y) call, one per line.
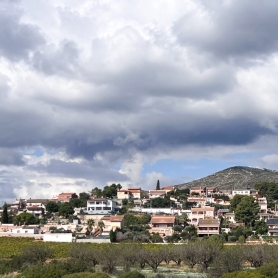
point(101, 206)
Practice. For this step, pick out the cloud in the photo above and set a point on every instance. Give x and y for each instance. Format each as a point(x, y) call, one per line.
point(59, 61)
point(103, 89)
point(18, 40)
point(78, 170)
point(10, 157)
point(231, 28)
point(269, 161)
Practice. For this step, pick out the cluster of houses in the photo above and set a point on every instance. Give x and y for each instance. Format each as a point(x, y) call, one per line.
point(203, 214)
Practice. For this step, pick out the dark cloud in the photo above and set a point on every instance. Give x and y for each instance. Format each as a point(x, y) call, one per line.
point(231, 132)
point(17, 39)
point(79, 170)
point(11, 157)
point(6, 191)
point(231, 28)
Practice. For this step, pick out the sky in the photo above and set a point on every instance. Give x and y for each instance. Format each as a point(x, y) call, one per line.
point(95, 92)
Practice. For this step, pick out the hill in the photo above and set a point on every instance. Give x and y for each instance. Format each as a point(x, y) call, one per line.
point(236, 177)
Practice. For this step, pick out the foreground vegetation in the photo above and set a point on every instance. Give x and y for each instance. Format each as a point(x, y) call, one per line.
point(208, 256)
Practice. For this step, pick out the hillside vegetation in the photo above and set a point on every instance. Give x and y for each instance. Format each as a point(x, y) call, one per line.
point(236, 177)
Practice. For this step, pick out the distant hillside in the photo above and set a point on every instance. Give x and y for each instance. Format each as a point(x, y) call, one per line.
point(235, 178)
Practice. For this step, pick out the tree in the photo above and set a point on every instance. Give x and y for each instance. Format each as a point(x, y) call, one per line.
point(110, 191)
point(182, 219)
point(189, 232)
point(155, 238)
point(268, 190)
point(75, 203)
point(188, 205)
point(235, 201)
point(162, 203)
point(36, 253)
point(247, 211)
point(96, 192)
point(112, 236)
point(65, 210)
point(257, 255)
point(101, 225)
point(84, 197)
point(5, 215)
point(261, 227)
point(153, 258)
point(26, 218)
point(128, 255)
point(176, 253)
point(130, 220)
point(85, 253)
point(177, 229)
point(109, 257)
point(228, 260)
point(52, 207)
point(190, 255)
point(90, 226)
point(124, 202)
point(207, 252)
point(158, 185)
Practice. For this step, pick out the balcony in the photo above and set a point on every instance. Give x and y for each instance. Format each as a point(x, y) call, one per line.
point(162, 231)
point(208, 231)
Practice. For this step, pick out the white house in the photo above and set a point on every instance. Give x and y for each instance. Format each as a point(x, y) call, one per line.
point(25, 230)
point(246, 192)
point(101, 206)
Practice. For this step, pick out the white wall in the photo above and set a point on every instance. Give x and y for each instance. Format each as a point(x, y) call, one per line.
point(59, 237)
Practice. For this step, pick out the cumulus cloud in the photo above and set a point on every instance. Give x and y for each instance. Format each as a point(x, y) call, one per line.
point(18, 40)
point(231, 28)
point(103, 88)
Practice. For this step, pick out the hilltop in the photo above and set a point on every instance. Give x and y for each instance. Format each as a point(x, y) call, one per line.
point(236, 177)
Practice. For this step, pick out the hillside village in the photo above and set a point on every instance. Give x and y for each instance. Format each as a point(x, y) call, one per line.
point(166, 214)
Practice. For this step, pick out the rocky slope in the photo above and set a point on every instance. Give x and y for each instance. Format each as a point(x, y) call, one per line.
point(235, 178)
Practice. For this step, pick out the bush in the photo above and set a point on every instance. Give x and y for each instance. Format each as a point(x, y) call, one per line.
point(232, 239)
point(243, 274)
point(87, 275)
point(241, 239)
point(132, 274)
point(269, 269)
point(55, 269)
point(5, 266)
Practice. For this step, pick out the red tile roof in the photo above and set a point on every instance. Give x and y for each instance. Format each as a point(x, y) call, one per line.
point(163, 219)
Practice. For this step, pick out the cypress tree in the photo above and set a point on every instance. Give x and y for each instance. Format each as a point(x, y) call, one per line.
point(5, 216)
point(158, 185)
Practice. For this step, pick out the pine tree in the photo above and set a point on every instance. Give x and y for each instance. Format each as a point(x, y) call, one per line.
point(5, 216)
point(158, 185)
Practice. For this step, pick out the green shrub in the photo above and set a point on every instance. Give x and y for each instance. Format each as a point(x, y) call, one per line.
point(241, 239)
point(132, 274)
point(87, 275)
point(244, 274)
point(269, 269)
point(232, 239)
point(5, 266)
point(55, 269)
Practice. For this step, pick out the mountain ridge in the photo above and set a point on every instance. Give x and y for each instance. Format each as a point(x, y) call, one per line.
point(235, 177)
